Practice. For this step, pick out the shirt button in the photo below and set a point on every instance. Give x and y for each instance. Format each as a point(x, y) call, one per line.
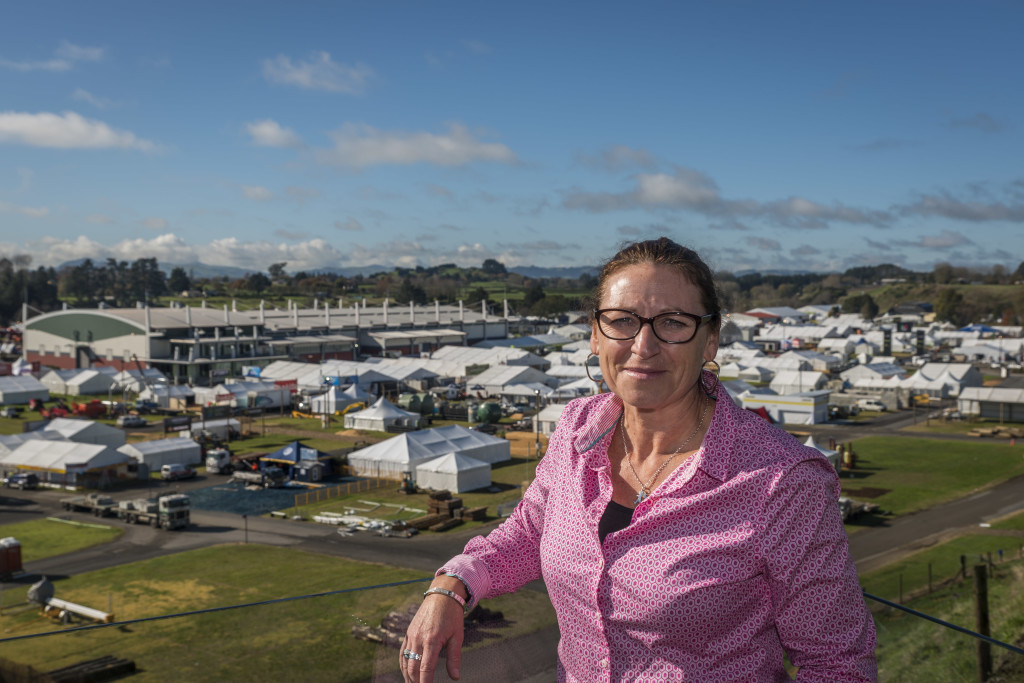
point(604, 663)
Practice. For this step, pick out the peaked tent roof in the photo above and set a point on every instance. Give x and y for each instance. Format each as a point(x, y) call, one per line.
point(384, 408)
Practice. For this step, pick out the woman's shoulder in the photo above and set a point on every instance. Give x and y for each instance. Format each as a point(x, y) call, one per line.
point(756, 443)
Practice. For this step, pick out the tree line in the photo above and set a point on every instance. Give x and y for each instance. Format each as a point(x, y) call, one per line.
point(126, 283)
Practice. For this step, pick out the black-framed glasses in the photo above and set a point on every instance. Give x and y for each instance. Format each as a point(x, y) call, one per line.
point(674, 327)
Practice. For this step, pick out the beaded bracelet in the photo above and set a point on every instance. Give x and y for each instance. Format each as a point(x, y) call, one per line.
point(451, 594)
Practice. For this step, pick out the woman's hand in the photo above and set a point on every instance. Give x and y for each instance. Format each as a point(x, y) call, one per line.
point(438, 624)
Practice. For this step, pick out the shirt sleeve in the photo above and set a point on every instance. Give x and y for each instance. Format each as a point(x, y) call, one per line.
point(820, 613)
point(509, 557)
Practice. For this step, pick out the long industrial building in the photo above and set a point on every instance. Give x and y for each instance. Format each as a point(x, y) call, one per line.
point(198, 345)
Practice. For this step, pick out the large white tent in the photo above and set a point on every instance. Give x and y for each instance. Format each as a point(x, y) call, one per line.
point(86, 431)
point(171, 396)
point(454, 472)
point(405, 452)
point(20, 389)
point(380, 416)
point(68, 463)
point(335, 399)
point(159, 452)
point(8, 442)
point(89, 383)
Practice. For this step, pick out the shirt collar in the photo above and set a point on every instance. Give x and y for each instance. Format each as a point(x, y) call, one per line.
point(714, 458)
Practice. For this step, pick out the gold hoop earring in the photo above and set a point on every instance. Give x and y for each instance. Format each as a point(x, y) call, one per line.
point(586, 366)
point(710, 387)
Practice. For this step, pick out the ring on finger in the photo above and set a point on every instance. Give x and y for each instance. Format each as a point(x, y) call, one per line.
point(409, 654)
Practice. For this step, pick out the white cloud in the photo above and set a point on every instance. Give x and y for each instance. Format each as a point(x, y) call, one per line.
point(362, 145)
point(66, 55)
point(96, 101)
point(269, 133)
point(257, 193)
point(155, 223)
point(320, 72)
point(47, 65)
point(618, 158)
point(691, 190)
point(30, 211)
point(351, 224)
point(66, 131)
point(79, 53)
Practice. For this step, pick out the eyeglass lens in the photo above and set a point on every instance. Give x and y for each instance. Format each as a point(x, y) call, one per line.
point(669, 327)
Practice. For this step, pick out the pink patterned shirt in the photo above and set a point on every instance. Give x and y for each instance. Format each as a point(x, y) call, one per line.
point(738, 556)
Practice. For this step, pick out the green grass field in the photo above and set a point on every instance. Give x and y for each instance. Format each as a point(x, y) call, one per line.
point(907, 474)
point(42, 538)
point(308, 640)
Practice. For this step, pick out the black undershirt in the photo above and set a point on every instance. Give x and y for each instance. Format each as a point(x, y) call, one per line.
point(615, 518)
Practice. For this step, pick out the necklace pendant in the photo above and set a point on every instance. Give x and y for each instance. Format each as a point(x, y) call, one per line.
point(641, 496)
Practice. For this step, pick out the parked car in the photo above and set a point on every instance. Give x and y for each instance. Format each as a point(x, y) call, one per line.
point(10, 411)
point(128, 421)
point(175, 472)
point(22, 480)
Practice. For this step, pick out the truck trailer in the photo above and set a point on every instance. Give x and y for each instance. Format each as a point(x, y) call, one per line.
point(166, 512)
point(96, 503)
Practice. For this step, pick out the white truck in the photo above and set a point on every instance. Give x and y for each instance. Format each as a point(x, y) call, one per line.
point(219, 461)
point(165, 512)
point(871, 404)
point(96, 503)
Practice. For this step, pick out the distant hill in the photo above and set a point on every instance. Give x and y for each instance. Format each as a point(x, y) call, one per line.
point(538, 272)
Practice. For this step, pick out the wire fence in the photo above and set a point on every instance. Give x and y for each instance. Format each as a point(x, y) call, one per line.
point(329, 492)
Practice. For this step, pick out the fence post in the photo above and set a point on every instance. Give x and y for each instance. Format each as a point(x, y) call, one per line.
point(984, 649)
point(963, 567)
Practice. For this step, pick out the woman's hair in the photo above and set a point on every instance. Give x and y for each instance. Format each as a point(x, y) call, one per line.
point(664, 252)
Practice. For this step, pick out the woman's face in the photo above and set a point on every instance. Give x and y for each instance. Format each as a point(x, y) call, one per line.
point(645, 372)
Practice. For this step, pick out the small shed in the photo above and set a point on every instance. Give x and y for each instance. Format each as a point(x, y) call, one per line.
point(454, 472)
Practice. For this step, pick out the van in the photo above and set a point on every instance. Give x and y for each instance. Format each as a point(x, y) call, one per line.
point(22, 480)
point(871, 404)
point(175, 472)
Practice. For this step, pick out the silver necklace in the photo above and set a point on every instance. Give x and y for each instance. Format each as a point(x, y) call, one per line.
point(645, 489)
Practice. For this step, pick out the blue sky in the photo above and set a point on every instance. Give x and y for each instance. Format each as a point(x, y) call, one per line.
point(782, 135)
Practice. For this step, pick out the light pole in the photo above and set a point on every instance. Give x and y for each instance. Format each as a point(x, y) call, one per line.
point(536, 424)
point(245, 519)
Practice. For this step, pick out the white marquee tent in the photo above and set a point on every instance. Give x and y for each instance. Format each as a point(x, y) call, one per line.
point(66, 462)
point(454, 472)
point(405, 452)
point(86, 431)
point(20, 389)
point(380, 415)
point(159, 452)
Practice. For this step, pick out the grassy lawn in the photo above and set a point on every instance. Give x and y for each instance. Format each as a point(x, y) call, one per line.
point(308, 640)
point(42, 538)
point(945, 561)
point(905, 475)
point(958, 426)
point(913, 649)
point(508, 477)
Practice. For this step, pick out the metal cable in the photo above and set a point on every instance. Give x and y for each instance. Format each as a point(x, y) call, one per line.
point(212, 609)
point(961, 629)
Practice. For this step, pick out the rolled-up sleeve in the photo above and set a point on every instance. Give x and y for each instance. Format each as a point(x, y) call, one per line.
point(820, 612)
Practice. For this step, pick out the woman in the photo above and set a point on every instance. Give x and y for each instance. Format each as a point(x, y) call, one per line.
point(679, 536)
